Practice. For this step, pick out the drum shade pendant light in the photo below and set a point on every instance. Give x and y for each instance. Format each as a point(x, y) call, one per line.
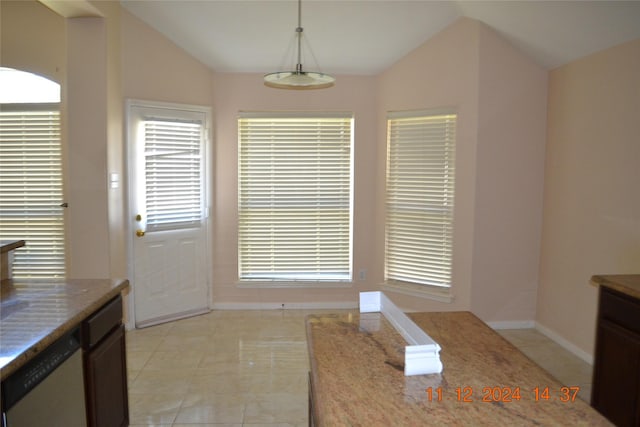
point(299, 79)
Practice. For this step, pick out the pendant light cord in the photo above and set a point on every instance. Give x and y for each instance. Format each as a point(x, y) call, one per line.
point(299, 31)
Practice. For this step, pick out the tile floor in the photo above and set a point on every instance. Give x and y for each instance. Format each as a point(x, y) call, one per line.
point(249, 368)
point(567, 368)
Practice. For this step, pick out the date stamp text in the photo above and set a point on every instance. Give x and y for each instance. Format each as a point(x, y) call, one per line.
point(467, 394)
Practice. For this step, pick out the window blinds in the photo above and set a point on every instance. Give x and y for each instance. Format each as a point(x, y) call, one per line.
point(31, 190)
point(419, 198)
point(294, 197)
point(173, 174)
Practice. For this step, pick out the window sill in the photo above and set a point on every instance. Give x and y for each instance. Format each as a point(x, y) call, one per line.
point(427, 292)
point(291, 285)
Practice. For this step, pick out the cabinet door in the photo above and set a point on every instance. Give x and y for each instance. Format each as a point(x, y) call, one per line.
point(617, 374)
point(106, 376)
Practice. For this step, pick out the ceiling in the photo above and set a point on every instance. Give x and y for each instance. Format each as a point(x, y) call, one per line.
point(364, 37)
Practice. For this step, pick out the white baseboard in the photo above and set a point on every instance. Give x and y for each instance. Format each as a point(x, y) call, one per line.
point(513, 324)
point(570, 347)
point(286, 306)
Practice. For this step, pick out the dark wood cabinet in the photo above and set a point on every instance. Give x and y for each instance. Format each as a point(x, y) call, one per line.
point(616, 377)
point(105, 367)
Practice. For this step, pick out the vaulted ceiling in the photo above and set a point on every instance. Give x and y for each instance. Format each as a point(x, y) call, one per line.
point(367, 36)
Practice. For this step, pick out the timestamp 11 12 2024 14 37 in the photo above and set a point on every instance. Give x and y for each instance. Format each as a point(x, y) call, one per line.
point(468, 394)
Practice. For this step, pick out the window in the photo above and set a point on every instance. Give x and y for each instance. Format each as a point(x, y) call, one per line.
point(294, 196)
point(31, 189)
point(419, 197)
point(173, 174)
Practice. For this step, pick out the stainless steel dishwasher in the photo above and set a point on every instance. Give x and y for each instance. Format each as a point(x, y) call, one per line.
point(49, 389)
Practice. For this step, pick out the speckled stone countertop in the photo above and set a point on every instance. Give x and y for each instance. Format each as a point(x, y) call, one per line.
point(626, 283)
point(35, 313)
point(357, 377)
point(9, 245)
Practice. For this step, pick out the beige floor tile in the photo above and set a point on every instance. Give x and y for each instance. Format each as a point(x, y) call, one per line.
point(218, 383)
point(270, 383)
point(164, 382)
point(187, 360)
point(208, 425)
point(148, 409)
point(274, 425)
point(277, 408)
point(137, 341)
point(211, 408)
point(234, 314)
point(210, 366)
point(160, 329)
point(195, 326)
point(585, 392)
point(173, 342)
point(523, 337)
point(131, 376)
point(137, 359)
point(567, 368)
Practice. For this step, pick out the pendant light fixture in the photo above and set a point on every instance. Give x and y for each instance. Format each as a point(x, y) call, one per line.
point(299, 79)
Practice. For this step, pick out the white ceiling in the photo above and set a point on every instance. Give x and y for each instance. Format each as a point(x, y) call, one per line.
point(367, 36)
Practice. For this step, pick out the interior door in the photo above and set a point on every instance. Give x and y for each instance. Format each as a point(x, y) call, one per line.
point(169, 222)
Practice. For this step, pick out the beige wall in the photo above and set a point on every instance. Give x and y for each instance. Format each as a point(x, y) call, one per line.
point(32, 38)
point(432, 77)
point(237, 92)
point(500, 96)
point(74, 53)
point(591, 199)
point(509, 181)
point(155, 69)
point(116, 197)
point(87, 226)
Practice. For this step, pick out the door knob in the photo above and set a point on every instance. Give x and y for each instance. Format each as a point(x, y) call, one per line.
point(139, 233)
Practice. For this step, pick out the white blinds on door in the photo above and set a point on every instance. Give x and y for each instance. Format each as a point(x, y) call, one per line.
point(31, 188)
point(295, 197)
point(173, 174)
point(419, 201)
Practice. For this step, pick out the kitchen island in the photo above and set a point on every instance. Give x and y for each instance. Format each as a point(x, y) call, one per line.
point(357, 377)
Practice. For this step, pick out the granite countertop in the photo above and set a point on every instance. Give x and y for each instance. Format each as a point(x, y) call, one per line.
point(9, 245)
point(628, 284)
point(357, 377)
point(36, 313)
